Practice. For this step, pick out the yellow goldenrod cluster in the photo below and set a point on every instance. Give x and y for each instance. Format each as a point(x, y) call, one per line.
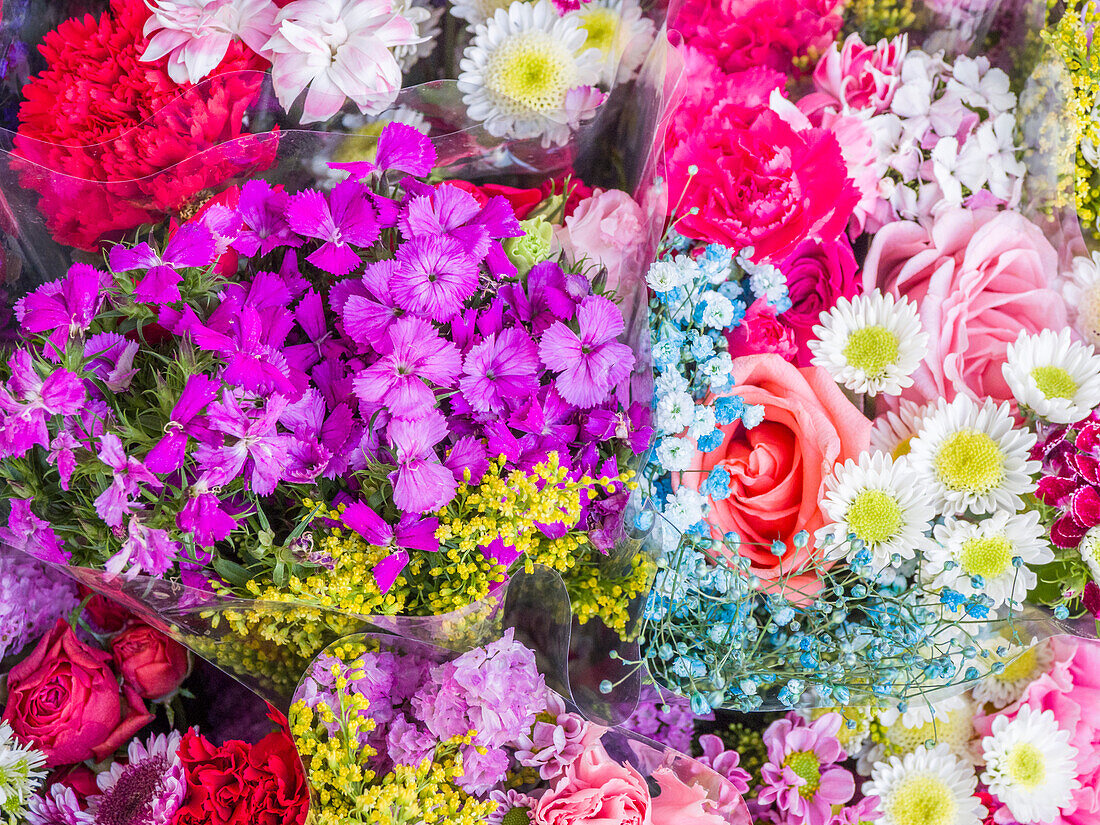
point(596, 592)
point(878, 19)
point(1069, 38)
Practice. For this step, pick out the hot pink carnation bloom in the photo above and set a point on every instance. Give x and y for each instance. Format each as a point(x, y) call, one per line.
point(1071, 690)
point(980, 277)
point(196, 34)
point(857, 76)
point(800, 776)
point(338, 50)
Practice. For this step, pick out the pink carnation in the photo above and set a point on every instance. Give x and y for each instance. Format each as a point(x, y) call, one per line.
point(980, 277)
point(1071, 690)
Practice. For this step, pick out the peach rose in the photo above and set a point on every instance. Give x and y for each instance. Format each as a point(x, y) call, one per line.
point(778, 468)
point(595, 790)
point(979, 277)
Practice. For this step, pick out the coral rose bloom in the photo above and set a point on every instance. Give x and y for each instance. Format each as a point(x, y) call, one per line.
point(778, 468)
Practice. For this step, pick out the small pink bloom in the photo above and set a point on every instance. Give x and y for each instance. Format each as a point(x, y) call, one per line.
point(858, 76)
point(595, 790)
point(607, 229)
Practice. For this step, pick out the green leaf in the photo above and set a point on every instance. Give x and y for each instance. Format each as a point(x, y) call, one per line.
point(232, 572)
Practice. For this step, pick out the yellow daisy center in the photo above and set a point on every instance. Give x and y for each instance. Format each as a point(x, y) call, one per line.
point(1054, 382)
point(986, 556)
point(517, 816)
point(904, 448)
point(923, 800)
point(1019, 668)
point(874, 516)
point(602, 25)
point(1026, 766)
point(530, 70)
point(872, 350)
point(806, 766)
point(954, 729)
point(970, 460)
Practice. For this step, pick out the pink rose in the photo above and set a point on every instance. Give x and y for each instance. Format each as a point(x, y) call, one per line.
point(979, 277)
point(858, 76)
point(608, 229)
point(760, 331)
point(817, 275)
point(1071, 690)
point(680, 804)
point(595, 790)
point(64, 699)
point(778, 468)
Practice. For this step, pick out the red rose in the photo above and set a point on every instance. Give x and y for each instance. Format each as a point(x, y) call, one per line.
point(105, 613)
point(242, 784)
point(522, 201)
point(152, 663)
point(64, 699)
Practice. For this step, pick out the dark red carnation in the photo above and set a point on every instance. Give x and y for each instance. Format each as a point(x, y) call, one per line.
point(132, 144)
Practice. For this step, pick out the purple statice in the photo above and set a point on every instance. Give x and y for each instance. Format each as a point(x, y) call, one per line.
point(727, 764)
point(32, 599)
point(495, 690)
point(147, 789)
point(342, 220)
point(58, 805)
point(246, 441)
point(435, 276)
point(144, 550)
point(27, 400)
point(664, 718)
point(399, 379)
point(801, 777)
point(192, 245)
point(129, 476)
point(407, 743)
point(589, 362)
point(64, 308)
point(503, 365)
point(556, 740)
point(32, 535)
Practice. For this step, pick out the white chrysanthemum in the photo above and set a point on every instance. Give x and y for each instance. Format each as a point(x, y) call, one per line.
point(527, 73)
point(870, 343)
point(893, 432)
point(927, 786)
point(425, 19)
point(973, 458)
point(1022, 666)
point(1053, 375)
point(1089, 548)
point(875, 500)
point(476, 12)
point(1030, 765)
point(618, 31)
point(980, 557)
point(948, 722)
point(21, 772)
point(1082, 293)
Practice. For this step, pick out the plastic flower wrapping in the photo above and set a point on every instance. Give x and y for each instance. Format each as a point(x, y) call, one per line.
point(549, 412)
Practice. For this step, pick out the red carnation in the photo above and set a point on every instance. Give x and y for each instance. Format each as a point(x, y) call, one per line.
point(112, 143)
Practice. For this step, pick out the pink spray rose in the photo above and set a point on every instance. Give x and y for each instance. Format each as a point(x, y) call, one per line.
point(980, 277)
point(817, 275)
point(681, 804)
point(858, 76)
point(595, 790)
point(761, 331)
point(1071, 690)
point(606, 228)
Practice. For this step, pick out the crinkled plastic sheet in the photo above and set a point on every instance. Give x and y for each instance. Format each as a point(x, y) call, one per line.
point(1007, 33)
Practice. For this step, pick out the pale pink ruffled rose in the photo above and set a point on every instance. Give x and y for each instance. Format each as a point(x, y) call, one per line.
point(682, 804)
point(1071, 690)
point(979, 277)
point(858, 76)
point(595, 790)
point(608, 229)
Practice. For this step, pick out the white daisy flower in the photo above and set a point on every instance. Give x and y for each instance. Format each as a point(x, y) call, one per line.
point(870, 343)
point(21, 773)
point(1089, 548)
point(1022, 665)
point(973, 458)
point(1053, 375)
point(927, 786)
point(1030, 765)
point(476, 12)
point(527, 73)
point(948, 722)
point(981, 557)
point(875, 500)
point(893, 432)
point(425, 18)
point(617, 29)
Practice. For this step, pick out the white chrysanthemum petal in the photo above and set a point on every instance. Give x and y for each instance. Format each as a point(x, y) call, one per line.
point(619, 32)
point(930, 786)
point(871, 343)
point(893, 432)
point(1021, 664)
point(1030, 765)
point(1053, 375)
